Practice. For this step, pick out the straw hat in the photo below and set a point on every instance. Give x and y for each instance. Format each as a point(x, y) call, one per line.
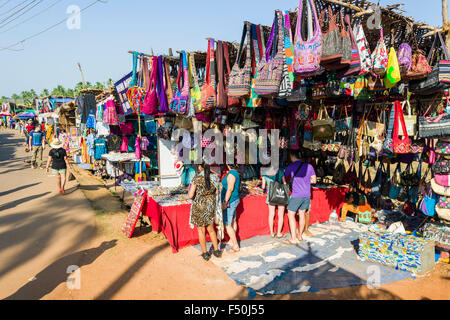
point(56, 144)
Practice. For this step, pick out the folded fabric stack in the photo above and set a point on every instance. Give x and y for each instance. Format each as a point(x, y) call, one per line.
point(407, 253)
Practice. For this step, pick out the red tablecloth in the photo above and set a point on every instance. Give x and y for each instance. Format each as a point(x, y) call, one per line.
point(252, 217)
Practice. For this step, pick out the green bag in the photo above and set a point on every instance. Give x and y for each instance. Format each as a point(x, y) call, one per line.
point(324, 126)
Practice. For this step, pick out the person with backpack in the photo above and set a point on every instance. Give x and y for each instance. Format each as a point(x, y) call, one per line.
point(58, 159)
point(302, 175)
point(36, 144)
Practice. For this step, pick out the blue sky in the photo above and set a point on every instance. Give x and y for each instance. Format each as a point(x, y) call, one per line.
point(109, 30)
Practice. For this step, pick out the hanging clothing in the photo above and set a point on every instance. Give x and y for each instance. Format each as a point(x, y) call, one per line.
point(90, 124)
point(100, 112)
point(144, 143)
point(85, 103)
point(103, 129)
point(100, 148)
point(111, 112)
point(124, 146)
point(131, 144)
point(90, 144)
point(113, 143)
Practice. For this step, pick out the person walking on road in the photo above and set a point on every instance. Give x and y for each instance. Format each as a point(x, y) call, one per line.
point(58, 159)
point(36, 145)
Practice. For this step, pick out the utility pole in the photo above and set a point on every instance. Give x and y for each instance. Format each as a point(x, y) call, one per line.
point(82, 75)
point(445, 23)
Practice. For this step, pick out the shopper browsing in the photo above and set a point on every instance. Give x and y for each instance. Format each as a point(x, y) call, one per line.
point(302, 176)
point(203, 190)
point(231, 185)
point(270, 175)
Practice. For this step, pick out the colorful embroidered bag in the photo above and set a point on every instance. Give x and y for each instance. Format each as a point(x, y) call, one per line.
point(380, 57)
point(240, 78)
point(307, 52)
point(180, 100)
point(270, 69)
point(196, 93)
point(363, 49)
point(255, 100)
point(404, 58)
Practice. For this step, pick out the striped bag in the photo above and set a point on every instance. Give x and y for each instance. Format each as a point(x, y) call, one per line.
point(355, 64)
point(286, 85)
point(240, 78)
point(257, 36)
point(268, 79)
point(434, 127)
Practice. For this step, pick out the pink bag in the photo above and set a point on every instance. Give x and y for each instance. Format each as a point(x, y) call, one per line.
point(307, 53)
point(150, 106)
point(442, 179)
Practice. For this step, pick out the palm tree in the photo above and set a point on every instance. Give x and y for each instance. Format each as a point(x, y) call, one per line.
point(45, 93)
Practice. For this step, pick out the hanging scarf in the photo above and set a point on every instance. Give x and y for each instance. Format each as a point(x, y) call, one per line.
point(219, 218)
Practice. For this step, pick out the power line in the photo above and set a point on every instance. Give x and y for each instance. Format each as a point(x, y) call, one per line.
point(46, 29)
point(18, 5)
point(32, 17)
point(6, 2)
point(18, 11)
point(17, 17)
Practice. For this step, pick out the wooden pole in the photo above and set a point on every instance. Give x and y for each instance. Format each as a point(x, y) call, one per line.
point(445, 22)
point(82, 74)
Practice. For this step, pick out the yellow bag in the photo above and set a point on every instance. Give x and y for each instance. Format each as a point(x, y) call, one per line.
point(196, 92)
point(393, 70)
point(140, 177)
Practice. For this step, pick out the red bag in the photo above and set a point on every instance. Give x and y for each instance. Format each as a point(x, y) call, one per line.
point(401, 146)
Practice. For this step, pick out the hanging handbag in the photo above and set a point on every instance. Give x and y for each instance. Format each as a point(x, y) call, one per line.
point(439, 78)
point(308, 52)
point(339, 173)
point(394, 191)
point(289, 56)
point(386, 185)
point(410, 121)
point(355, 64)
point(255, 100)
point(332, 42)
point(380, 57)
point(420, 68)
point(232, 102)
point(442, 179)
point(378, 181)
point(240, 78)
point(363, 49)
point(442, 166)
point(409, 178)
point(429, 154)
point(344, 124)
point(161, 88)
point(324, 126)
point(443, 213)
point(208, 101)
point(268, 78)
point(196, 92)
point(434, 127)
point(443, 147)
point(404, 58)
point(150, 106)
point(392, 70)
point(351, 177)
point(287, 78)
point(401, 146)
point(180, 100)
point(388, 145)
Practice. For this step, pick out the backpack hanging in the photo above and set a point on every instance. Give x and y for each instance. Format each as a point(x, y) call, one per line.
point(240, 78)
point(307, 52)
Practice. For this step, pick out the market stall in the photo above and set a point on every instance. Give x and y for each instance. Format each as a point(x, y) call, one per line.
point(368, 108)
